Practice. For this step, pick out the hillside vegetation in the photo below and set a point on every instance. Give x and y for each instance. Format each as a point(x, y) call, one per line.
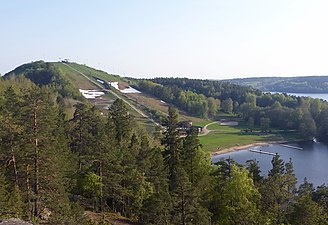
point(308, 84)
point(47, 74)
point(97, 168)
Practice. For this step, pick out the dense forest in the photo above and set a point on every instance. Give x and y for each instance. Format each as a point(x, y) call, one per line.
point(205, 98)
point(307, 84)
point(52, 169)
point(46, 74)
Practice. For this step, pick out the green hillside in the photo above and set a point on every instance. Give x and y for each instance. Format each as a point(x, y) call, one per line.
point(98, 169)
point(65, 77)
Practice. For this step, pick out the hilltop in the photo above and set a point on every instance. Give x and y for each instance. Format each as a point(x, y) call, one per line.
point(75, 83)
point(64, 76)
point(307, 84)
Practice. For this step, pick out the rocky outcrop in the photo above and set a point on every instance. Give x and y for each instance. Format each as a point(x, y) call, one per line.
point(14, 221)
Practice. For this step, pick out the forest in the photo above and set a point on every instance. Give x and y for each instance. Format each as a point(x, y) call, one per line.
point(306, 84)
point(206, 98)
point(53, 169)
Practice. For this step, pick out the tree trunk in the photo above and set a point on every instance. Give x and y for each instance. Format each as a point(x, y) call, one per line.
point(36, 165)
point(183, 210)
point(101, 187)
point(14, 164)
point(28, 189)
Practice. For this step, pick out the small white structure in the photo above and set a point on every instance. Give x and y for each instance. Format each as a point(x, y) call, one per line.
point(114, 85)
point(128, 90)
point(91, 94)
point(100, 81)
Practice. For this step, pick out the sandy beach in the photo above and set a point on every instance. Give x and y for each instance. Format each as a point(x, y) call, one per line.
point(243, 147)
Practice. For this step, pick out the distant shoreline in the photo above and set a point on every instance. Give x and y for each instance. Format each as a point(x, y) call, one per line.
point(244, 147)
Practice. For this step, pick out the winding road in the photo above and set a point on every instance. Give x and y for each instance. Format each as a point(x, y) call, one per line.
point(205, 130)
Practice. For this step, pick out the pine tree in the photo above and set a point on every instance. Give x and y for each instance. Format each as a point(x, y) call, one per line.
point(290, 177)
point(173, 145)
point(10, 132)
point(121, 121)
point(45, 154)
point(278, 167)
point(254, 169)
point(278, 190)
point(157, 207)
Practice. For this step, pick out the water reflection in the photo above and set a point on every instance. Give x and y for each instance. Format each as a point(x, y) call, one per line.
point(310, 162)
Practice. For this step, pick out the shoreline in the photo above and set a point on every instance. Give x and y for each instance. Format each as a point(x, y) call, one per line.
point(244, 147)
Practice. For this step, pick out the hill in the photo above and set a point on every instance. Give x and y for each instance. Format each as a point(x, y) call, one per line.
point(97, 169)
point(308, 84)
point(63, 76)
point(80, 83)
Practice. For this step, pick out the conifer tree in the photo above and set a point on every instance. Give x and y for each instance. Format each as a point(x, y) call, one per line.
point(173, 145)
point(10, 132)
point(278, 190)
point(157, 207)
point(254, 169)
point(45, 154)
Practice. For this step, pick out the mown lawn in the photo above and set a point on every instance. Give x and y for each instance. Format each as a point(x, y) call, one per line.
point(76, 78)
point(230, 136)
point(91, 72)
point(215, 140)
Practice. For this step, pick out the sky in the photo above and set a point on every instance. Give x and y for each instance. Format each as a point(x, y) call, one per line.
point(212, 39)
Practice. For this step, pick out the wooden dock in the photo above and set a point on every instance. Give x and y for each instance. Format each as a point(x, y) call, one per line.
point(290, 146)
point(262, 152)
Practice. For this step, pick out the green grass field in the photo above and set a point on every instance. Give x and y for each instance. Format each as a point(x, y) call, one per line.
point(218, 140)
point(76, 78)
point(91, 72)
point(222, 137)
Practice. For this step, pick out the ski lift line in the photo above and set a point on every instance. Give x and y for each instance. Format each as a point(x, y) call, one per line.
point(113, 93)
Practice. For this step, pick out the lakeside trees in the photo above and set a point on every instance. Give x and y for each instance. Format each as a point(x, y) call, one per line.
point(204, 98)
point(109, 164)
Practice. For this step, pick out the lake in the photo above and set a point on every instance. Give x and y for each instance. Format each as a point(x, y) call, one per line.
point(310, 162)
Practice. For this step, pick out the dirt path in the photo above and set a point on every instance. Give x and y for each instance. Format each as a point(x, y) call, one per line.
point(205, 130)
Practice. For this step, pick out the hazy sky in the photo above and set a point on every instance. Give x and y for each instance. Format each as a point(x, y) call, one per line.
point(200, 39)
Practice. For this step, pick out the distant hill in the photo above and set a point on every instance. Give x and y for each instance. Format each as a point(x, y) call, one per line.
point(64, 77)
point(308, 84)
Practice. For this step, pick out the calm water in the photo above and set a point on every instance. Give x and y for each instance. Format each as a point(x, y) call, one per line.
point(311, 162)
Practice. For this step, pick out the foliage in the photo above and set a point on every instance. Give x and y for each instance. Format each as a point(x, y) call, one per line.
point(43, 73)
point(52, 169)
point(306, 84)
